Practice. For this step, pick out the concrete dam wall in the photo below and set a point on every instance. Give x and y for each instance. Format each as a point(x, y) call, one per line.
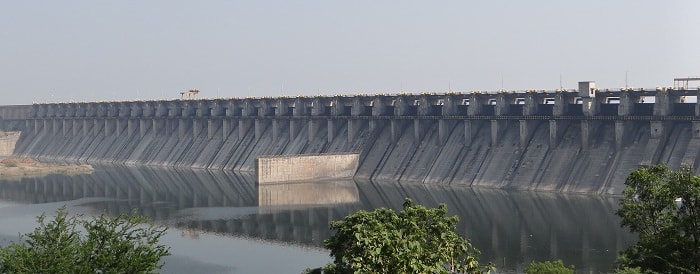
point(12, 117)
point(577, 142)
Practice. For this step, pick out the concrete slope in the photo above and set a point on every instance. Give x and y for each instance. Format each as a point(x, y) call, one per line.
point(466, 155)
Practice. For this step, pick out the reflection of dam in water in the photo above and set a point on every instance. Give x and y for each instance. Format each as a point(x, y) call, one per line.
point(308, 193)
point(510, 228)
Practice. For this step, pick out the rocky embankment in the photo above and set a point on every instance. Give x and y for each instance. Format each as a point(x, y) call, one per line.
point(12, 167)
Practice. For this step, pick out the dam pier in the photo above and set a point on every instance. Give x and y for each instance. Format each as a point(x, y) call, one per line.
point(584, 141)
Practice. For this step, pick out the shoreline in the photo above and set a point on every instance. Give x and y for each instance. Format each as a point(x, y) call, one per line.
point(23, 167)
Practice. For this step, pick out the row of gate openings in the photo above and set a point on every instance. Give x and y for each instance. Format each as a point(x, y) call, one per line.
point(608, 107)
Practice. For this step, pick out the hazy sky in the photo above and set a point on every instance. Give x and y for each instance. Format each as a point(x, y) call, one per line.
point(104, 50)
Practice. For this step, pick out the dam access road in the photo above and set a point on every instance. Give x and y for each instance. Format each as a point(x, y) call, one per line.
point(574, 141)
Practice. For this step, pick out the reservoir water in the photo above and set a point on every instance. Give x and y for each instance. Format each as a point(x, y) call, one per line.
point(221, 222)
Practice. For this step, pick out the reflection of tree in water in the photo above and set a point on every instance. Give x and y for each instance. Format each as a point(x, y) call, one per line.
point(518, 227)
point(510, 228)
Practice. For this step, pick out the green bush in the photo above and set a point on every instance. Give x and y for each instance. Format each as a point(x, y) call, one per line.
point(10, 164)
point(122, 244)
point(627, 270)
point(415, 240)
point(549, 267)
point(662, 206)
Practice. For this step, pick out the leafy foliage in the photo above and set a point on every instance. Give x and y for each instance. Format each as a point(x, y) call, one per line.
point(416, 240)
point(549, 267)
point(663, 207)
point(122, 244)
point(633, 270)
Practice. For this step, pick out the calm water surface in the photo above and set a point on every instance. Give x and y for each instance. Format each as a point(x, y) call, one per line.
point(221, 222)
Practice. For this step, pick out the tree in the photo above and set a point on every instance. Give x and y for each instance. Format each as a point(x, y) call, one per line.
point(663, 207)
point(122, 244)
point(416, 240)
point(549, 267)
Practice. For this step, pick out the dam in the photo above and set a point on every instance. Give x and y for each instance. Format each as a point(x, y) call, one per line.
point(585, 140)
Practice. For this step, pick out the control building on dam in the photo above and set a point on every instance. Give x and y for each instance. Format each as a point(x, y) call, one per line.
point(584, 141)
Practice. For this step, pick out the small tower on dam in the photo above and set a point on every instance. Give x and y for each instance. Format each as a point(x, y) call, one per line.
point(587, 92)
point(586, 89)
point(189, 95)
